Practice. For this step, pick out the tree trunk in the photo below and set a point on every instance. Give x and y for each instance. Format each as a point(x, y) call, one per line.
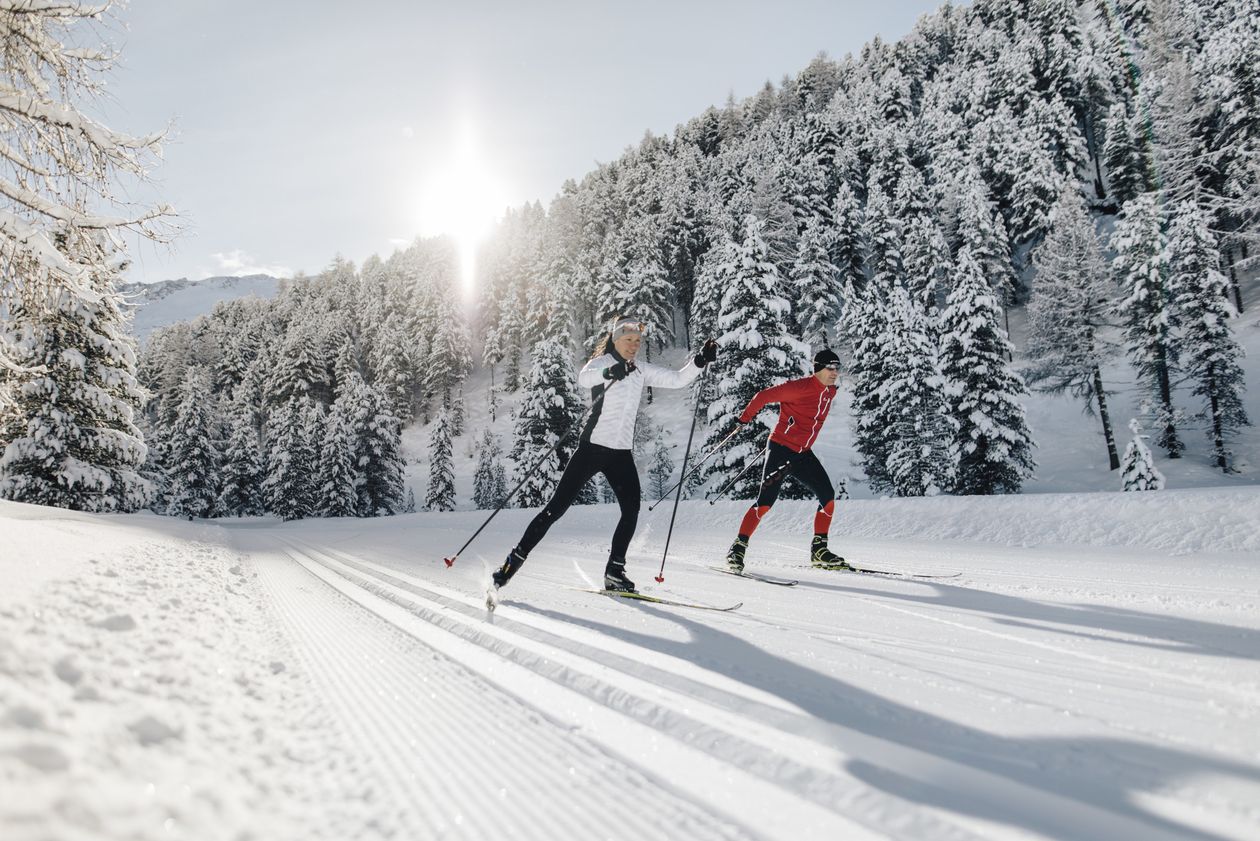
point(1168, 439)
point(1112, 456)
point(1233, 281)
point(1218, 434)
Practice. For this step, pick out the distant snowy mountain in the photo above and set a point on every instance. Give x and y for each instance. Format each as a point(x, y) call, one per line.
point(161, 304)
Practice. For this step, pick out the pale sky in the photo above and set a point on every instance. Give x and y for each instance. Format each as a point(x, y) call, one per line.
point(304, 130)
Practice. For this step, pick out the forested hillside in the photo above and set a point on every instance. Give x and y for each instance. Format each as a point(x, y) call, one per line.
point(1091, 166)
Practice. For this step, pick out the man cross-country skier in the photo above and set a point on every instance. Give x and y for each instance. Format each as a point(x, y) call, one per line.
point(606, 441)
point(803, 407)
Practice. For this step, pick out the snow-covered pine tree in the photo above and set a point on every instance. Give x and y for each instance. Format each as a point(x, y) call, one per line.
point(68, 413)
point(243, 469)
point(61, 167)
point(450, 358)
point(441, 492)
point(1209, 351)
point(926, 260)
point(547, 411)
point(813, 279)
point(192, 467)
point(846, 238)
point(923, 450)
point(995, 444)
point(982, 231)
point(339, 476)
point(864, 331)
point(756, 353)
point(1145, 307)
point(300, 371)
point(378, 443)
point(393, 369)
point(882, 234)
point(1068, 311)
point(662, 466)
point(291, 464)
point(1126, 154)
point(489, 479)
point(1137, 468)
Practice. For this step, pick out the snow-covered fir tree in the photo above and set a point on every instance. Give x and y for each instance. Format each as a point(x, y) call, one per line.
point(846, 238)
point(489, 478)
point(864, 331)
point(1137, 468)
point(378, 445)
point(291, 462)
point(243, 465)
point(661, 468)
point(1209, 351)
point(1145, 308)
point(756, 351)
point(995, 445)
point(339, 475)
point(68, 413)
point(192, 467)
point(923, 453)
point(440, 495)
point(1068, 314)
point(814, 283)
point(548, 410)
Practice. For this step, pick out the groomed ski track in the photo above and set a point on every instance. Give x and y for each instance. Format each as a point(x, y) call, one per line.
point(555, 718)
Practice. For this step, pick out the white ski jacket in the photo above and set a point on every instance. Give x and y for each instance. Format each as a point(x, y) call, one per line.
point(612, 422)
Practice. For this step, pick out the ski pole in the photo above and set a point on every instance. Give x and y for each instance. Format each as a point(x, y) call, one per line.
point(687, 474)
point(660, 576)
point(450, 562)
point(722, 490)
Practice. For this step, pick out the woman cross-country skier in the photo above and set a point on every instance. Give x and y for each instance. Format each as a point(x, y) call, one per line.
point(803, 407)
point(613, 374)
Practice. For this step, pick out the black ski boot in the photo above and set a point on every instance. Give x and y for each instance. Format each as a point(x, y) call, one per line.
point(823, 558)
point(615, 576)
point(735, 557)
point(504, 574)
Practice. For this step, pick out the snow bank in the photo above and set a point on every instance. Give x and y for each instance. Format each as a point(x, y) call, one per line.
point(1170, 522)
point(144, 692)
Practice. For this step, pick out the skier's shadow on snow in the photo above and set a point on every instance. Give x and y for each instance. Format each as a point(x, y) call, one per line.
point(1090, 772)
point(1163, 633)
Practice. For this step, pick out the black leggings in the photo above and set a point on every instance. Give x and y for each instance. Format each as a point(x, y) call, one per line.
point(589, 459)
point(808, 470)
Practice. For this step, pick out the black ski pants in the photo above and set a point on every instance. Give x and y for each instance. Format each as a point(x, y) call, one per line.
point(808, 470)
point(589, 459)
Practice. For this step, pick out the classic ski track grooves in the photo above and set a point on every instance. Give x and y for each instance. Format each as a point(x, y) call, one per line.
point(411, 704)
point(844, 807)
point(798, 753)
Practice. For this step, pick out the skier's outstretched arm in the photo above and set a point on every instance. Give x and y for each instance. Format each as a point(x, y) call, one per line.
point(655, 375)
point(763, 398)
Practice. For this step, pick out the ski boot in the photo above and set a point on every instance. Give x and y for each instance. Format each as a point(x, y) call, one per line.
point(735, 557)
point(504, 574)
point(615, 576)
point(823, 558)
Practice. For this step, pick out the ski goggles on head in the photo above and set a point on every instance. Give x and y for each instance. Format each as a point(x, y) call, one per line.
point(628, 326)
point(831, 366)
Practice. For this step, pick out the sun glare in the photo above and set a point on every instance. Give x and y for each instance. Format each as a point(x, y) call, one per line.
point(462, 199)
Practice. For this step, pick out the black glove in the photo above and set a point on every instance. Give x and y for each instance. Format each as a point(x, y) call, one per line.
point(619, 371)
point(707, 354)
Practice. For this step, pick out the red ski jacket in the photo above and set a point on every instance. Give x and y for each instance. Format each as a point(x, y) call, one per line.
point(803, 406)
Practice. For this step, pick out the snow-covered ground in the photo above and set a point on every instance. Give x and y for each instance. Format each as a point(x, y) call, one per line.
point(1091, 674)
